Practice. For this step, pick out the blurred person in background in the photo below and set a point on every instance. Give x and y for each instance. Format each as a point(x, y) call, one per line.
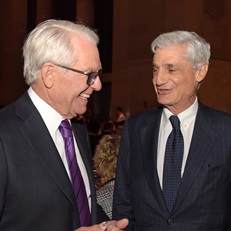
point(119, 126)
point(120, 116)
point(107, 128)
point(105, 159)
point(93, 127)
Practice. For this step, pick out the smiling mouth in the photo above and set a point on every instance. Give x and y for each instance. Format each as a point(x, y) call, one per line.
point(85, 96)
point(163, 91)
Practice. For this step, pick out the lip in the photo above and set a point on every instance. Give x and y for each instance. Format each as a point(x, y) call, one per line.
point(163, 91)
point(85, 96)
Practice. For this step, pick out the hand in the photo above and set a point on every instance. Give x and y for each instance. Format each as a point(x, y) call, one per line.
point(106, 226)
point(117, 225)
point(100, 227)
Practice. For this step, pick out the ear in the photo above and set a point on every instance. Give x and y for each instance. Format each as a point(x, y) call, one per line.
point(201, 73)
point(48, 74)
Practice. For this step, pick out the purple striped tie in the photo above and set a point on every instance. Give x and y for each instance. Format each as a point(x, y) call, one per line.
point(76, 176)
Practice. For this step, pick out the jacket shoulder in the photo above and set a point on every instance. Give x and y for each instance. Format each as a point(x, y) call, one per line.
point(213, 113)
point(148, 114)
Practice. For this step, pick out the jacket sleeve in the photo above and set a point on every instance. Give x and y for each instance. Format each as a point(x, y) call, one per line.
point(122, 204)
point(3, 178)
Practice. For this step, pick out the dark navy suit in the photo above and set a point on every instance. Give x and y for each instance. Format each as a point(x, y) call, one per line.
point(35, 190)
point(203, 202)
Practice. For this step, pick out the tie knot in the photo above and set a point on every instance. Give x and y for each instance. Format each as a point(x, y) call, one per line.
point(65, 129)
point(175, 122)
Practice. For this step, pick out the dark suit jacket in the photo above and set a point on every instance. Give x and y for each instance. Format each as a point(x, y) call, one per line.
point(35, 191)
point(203, 201)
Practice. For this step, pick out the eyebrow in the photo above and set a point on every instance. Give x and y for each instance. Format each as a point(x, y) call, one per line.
point(154, 65)
point(166, 65)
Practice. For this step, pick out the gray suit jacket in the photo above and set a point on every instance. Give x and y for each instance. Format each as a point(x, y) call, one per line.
point(35, 191)
point(203, 201)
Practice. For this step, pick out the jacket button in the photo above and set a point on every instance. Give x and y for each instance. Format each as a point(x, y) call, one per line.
point(170, 221)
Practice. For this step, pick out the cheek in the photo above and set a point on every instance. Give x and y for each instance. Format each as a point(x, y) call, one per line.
point(154, 81)
point(190, 83)
point(187, 88)
point(66, 93)
point(70, 89)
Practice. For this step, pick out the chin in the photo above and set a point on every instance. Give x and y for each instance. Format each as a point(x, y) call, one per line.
point(165, 100)
point(82, 110)
point(162, 102)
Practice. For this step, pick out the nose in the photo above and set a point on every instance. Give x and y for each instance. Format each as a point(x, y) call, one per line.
point(159, 77)
point(97, 85)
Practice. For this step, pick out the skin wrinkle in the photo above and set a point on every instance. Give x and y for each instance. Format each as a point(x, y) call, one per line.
point(174, 79)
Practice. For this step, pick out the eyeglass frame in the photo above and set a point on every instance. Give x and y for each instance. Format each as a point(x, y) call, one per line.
point(91, 75)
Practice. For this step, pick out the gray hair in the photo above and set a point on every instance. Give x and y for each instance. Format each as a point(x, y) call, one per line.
point(50, 42)
point(197, 49)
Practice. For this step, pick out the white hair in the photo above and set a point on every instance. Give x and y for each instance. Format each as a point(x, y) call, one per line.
point(50, 42)
point(197, 49)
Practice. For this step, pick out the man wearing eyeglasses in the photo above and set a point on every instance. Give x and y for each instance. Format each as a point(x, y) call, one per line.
point(37, 182)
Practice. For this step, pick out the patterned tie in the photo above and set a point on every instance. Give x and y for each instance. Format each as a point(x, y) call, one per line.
point(76, 176)
point(172, 163)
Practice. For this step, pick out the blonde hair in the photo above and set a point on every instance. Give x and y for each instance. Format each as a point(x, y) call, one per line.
point(105, 158)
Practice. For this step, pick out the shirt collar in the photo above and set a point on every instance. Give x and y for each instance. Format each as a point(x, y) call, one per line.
point(50, 116)
point(186, 117)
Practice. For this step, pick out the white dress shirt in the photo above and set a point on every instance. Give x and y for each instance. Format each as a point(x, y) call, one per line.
point(52, 119)
point(187, 120)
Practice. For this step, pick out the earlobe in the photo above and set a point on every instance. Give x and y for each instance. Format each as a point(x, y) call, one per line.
point(48, 75)
point(201, 73)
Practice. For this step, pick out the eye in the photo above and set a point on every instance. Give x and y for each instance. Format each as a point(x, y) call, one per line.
point(171, 71)
point(155, 71)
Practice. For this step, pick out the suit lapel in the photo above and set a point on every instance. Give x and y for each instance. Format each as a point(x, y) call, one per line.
point(81, 137)
point(202, 141)
point(34, 129)
point(149, 140)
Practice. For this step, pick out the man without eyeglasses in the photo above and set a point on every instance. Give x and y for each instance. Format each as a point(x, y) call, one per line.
point(174, 163)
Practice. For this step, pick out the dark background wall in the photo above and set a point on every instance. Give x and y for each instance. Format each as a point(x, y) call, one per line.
point(126, 29)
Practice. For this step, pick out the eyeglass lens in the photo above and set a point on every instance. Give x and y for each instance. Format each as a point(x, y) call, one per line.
point(92, 76)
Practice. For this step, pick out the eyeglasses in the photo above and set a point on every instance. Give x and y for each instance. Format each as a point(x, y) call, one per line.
point(91, 75)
